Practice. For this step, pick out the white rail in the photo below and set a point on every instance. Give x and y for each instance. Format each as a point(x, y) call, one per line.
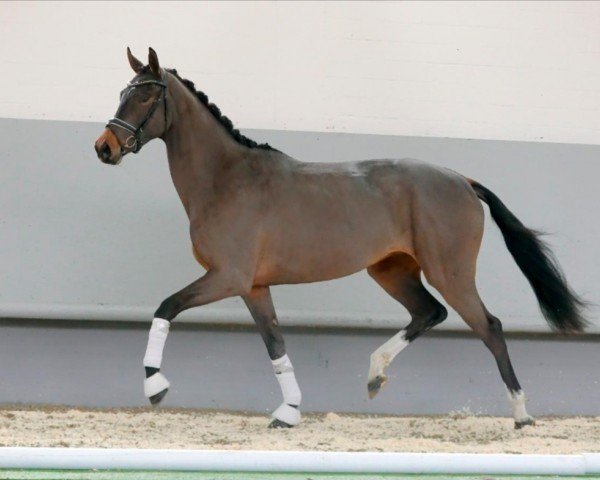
point(289, 461)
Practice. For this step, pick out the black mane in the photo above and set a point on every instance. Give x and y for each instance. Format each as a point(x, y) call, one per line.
point(222, 119)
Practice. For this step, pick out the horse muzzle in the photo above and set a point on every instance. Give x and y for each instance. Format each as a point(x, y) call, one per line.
point(108, 148)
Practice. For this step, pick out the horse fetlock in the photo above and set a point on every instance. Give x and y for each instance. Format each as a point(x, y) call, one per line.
point(517, 401)
point(380, 359)
point(156, 387)
point(523, 423)
point(286, 415)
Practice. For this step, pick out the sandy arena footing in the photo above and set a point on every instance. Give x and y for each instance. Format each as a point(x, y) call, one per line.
point(200, 429)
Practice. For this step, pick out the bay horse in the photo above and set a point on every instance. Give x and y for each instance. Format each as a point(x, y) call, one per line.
point(259, 218)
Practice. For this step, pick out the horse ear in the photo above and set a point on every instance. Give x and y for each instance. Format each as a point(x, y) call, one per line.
point(136, 65)
point(153, 62)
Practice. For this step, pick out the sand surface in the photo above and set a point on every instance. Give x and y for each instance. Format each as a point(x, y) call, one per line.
point(198, 429)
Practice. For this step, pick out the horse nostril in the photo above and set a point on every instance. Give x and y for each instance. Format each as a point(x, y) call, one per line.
point(105, 151)
point(99, 147)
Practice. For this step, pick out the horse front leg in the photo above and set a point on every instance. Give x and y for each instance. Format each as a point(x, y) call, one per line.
point(214, 285)
point(260, 304)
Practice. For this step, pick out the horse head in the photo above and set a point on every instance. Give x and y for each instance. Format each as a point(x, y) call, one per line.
point(141, 114)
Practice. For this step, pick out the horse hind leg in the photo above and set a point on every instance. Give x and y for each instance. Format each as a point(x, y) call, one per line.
point(462, 295)
point(400, 277)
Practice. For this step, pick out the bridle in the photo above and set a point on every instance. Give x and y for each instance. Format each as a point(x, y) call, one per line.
point(134, 141)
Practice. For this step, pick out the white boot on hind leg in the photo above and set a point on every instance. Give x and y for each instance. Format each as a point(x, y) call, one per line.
point(380, 360)
point(517, 402)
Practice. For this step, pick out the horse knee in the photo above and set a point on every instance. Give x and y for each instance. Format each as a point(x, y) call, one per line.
point(494, 324)
point(422, 324)
point(168, 308)
point(440, 315)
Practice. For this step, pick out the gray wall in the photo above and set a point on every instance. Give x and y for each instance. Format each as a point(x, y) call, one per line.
point(82, 240)
point(100, 365)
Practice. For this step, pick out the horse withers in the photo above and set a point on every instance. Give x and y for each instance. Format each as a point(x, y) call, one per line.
point(260, 218)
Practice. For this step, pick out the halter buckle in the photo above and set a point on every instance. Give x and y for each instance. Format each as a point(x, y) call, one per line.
point(130, 142)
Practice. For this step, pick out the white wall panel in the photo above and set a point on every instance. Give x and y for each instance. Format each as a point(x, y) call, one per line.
point(498, 70)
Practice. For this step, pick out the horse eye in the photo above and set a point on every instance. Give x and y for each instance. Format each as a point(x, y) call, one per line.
point(145, 93)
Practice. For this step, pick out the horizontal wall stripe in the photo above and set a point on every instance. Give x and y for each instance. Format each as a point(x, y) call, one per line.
point(238, 316)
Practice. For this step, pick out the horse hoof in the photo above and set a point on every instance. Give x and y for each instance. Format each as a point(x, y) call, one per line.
point(156, 399)
point(279, 424)
point(528, 421)
point(375, 385)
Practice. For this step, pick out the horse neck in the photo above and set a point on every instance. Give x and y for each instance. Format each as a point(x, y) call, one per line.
point(198, 147)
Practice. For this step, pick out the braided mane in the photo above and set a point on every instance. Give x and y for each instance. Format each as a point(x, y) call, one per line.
point(222, 119)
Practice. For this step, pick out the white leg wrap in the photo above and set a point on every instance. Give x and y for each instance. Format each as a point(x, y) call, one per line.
point(156, 342)
point(284, 372)
point(153, 358)
point(517, 402)
point(384, 355)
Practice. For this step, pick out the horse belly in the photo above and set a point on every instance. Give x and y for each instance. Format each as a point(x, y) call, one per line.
point(327, 226)
point(312, 254)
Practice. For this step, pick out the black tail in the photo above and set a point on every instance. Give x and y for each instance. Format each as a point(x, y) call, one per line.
point(559, 304)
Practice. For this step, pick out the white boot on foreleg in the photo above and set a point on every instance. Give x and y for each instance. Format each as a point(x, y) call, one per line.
point(156, 386)
point(288, 413)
